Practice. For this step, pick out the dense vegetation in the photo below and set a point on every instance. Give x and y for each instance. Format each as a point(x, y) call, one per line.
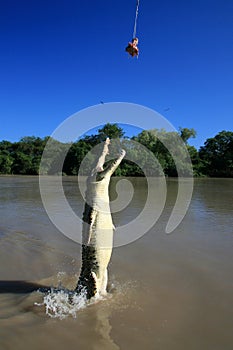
point(214, 159)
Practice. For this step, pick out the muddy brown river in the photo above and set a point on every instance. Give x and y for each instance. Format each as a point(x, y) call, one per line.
point(166, 292)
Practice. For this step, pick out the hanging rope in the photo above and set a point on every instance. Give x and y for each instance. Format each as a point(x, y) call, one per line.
point(135, 22)
point(132, 48)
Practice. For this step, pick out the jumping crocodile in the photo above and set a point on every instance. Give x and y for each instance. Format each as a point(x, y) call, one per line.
point(98, 228)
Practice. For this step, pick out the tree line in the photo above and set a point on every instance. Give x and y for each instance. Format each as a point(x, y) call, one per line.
point(214, 159)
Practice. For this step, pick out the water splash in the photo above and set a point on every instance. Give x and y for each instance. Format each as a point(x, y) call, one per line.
point(61, 303)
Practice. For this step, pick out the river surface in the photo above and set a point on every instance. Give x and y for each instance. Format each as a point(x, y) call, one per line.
point(166, 292)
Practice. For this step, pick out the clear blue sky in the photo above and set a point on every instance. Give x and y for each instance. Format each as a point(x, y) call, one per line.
point(60, 56)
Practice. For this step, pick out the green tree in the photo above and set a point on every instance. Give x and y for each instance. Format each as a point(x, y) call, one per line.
point(6, 159)
point(112, 131)
point(53, 157)
point(186, 134)
point(217, 155)
point(196, 161)
point(22, 163)
point(80, 149)
point(160, 142)
point(75, 155)
point(215, 158)
point(27, 154)
point(6, 162)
